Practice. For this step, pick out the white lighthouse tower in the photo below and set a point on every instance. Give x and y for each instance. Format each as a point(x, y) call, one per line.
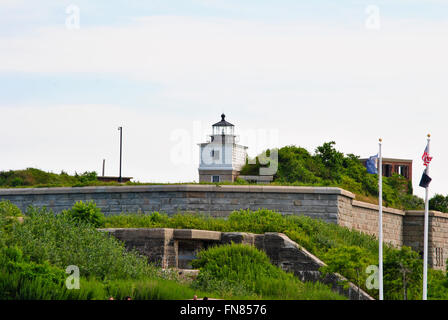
point(221, 159)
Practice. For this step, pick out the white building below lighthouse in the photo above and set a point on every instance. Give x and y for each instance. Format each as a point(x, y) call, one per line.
point(221, 159)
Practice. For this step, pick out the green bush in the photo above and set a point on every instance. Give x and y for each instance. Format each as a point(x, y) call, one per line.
point(411, 202)
point(32, 177)
point(86, 212)
point(315, 235)
point(44, 236)
point(437, 285)
point(9, 216)
point(243, 269)
point(329, 167)
point(439, 203)
point(350, 261)
point(8, 209)
point(402, 274)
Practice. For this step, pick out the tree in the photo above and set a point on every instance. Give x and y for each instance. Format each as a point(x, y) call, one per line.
point(331, 159)
point(350, 261)
point(402, 274)
point(439, 203)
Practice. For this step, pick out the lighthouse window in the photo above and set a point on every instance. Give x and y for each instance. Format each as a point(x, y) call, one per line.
point(215, 154)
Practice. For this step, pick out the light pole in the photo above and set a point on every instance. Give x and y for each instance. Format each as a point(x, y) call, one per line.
point(121, 139)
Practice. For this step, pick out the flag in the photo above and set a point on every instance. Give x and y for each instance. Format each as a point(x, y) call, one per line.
point(425, 180)
point(426, 158)
point(371, 164)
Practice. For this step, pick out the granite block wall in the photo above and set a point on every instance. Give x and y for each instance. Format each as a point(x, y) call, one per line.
point(178, 247)
point(364, 217)
point(437, 236)
point(333, 205)
point(217, 201)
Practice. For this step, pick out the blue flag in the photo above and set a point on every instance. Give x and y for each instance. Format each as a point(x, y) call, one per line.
point(371, 165)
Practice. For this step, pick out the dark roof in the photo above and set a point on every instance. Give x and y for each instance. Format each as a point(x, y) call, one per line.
point(223, 123)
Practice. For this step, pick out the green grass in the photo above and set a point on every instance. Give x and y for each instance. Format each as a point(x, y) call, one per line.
point(315, 235)
point(249, 271)
point(35, 253)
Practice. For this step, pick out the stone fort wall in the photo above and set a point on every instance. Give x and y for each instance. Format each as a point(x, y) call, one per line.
point(332, 205)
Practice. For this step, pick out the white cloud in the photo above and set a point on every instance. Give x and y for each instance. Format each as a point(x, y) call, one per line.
point(173, 49)
point(78, 137)
point(313, 83)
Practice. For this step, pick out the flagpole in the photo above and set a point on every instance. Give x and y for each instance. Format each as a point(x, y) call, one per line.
point(380, 222)
point(425, 240)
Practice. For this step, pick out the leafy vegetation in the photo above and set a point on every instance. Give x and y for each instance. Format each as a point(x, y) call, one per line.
point(35, 253)
point(350, 261)
point(439, 203)
point(86, 212)
point(249, 270)
point(63, 241)
point(32, 177)
point(403, 276)
point(329, 167)
point(325, 240)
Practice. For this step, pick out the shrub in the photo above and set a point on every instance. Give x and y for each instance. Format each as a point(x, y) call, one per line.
point(402, 274)
point(411, 202)
point(243, 269)
point(439, 203)
point(8, 209)
point(63, 242)
point(329, 167)
point(350, 261)
point(317, 236)
point(86, 212)
point(9, 214)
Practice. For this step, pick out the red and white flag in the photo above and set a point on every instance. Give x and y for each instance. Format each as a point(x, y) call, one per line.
point(426, 158)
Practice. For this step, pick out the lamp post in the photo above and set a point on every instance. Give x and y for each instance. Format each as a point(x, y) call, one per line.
point(121, 139)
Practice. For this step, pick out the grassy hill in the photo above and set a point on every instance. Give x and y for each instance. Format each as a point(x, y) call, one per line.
point(35, 253)
point(32, 177)
point(331, 168)
point(329, 242)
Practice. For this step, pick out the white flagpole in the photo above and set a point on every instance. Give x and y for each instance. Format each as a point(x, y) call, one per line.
point(380, 223)
point(425, 240)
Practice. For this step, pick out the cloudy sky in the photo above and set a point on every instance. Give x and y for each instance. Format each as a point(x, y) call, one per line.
point(284, 72)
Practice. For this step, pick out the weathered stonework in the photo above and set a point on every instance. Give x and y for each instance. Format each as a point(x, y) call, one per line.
point(332, 205)
point(437, 236)
point(364, 217)
point(176, 248)
point(217, 201)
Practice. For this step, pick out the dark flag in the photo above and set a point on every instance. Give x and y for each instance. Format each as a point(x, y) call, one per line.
point(425, 180)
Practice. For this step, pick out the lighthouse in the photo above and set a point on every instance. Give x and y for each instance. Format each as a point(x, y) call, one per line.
point(221, 158)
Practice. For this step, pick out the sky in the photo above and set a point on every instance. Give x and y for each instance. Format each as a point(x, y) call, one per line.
point(285, 72)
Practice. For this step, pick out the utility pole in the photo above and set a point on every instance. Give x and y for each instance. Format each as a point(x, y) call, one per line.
point(104, 165)
point(121, 132)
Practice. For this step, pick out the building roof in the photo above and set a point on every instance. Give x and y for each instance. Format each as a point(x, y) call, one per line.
point(223, 123)
point(390, 160)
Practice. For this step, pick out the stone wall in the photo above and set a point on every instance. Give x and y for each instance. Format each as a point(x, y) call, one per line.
point(332, 205)
point(176, 248)
point(363, 216)
point(437, 236)
point(215, 200)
